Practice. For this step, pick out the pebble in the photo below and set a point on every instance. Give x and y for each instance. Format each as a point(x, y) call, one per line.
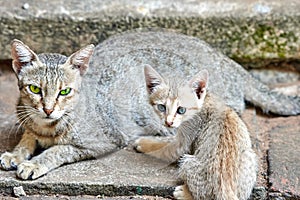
point(19, 191)
point(25, 6)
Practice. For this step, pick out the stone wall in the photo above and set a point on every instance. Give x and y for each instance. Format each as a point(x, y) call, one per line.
point(251, 32)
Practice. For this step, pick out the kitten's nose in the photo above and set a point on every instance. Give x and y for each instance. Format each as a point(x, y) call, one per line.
point(169, 124)
point(48, 111)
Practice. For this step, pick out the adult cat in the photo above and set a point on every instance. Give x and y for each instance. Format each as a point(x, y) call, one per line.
point(61, 113)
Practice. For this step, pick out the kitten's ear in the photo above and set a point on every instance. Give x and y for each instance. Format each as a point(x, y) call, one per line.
point(81, 58)
point(199, 83)
point(21, 54)
point(153, 79)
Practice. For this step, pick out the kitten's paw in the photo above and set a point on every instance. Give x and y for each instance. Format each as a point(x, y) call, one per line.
point(182, 193)
point(147, 145)
point(9, 161)
point(139, 145)
point(29, 170)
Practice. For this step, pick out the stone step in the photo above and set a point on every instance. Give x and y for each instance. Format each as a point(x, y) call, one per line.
point(254, 33)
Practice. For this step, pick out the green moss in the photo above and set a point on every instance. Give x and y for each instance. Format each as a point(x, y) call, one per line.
point(263, 41)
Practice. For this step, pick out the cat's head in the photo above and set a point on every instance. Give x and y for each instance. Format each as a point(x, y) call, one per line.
point(173, 100)
point(49, 83)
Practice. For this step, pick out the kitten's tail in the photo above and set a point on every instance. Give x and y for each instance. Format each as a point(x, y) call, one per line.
point(269, 100)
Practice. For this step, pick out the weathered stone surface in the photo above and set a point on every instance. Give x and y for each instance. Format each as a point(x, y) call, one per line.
point(284, 158)
point(122, 173)
point(276, 142)
point(248, 31)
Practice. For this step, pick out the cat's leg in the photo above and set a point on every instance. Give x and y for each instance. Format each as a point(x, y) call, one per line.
point(149, 144)
point(182, 192)
point(50, 159)
point(168, 150)
point(23, 151)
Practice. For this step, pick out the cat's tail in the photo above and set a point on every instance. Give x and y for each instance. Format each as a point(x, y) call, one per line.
point(269, 100)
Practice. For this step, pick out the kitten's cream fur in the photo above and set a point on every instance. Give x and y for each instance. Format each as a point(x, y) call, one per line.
point(212, 142)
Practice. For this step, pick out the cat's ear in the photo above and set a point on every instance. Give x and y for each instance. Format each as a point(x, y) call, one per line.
point(22, 55)
point(80, 59)
point(199, 84)
point(153, 79)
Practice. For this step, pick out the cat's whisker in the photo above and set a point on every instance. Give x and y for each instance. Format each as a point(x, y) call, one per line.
point(22, 120)
point(32, 112)
point(17, 129)
point(22, 111)
point(23, 106)
point(12, 130)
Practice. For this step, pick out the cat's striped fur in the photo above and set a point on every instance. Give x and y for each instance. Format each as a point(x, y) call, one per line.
point(49, 87)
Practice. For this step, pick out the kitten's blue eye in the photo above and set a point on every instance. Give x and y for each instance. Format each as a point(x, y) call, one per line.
point(65, 92)
point(181, 110)
point(161, 107)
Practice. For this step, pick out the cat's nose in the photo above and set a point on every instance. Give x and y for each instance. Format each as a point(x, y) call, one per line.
point(48, 111)
point(169, 124)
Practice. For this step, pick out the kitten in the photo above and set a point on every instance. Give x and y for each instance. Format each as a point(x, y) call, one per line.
point(212, 142)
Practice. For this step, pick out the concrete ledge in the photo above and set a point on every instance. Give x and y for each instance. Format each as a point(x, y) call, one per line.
point(101, 177)
point(248, 31)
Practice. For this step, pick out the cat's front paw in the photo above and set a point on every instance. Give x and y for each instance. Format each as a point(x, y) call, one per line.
point(139, 145)
point(9, 161)
point(147, 145)
point(181, 192)
point(29, 170)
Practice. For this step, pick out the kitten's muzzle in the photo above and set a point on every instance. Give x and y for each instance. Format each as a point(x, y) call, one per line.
point(168, 124)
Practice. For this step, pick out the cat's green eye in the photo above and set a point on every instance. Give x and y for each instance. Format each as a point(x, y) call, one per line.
point(181, 110)
point(35, 89)
point(161, 107)
point(65, 92)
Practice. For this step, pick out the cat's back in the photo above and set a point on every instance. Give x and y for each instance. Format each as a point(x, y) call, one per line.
point(168, 53)
point(117, 72)
point(126, 54)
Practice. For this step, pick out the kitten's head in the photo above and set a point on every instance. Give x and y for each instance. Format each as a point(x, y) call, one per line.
point(49, 83)
point(173, 100)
